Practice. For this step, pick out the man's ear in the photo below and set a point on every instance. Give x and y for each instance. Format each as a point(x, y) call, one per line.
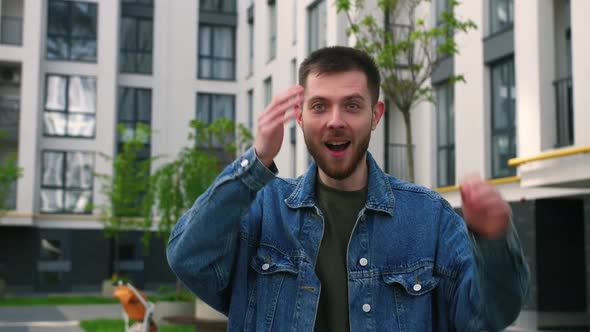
point(378, 110)
point(299, 114)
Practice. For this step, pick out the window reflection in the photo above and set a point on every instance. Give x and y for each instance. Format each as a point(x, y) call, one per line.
point(71, 30)
point(70, 106)
point(501, 15)
point(67, 181)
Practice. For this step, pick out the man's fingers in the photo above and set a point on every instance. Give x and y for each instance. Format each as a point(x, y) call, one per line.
point(279, 111)
point(292, 95)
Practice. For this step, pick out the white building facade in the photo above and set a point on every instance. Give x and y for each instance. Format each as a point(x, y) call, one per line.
point(72, 71)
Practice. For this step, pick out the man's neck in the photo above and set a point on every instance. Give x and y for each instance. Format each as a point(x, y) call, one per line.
point(356, 181)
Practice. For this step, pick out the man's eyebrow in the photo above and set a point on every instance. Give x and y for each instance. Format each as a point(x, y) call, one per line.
point(354, 96)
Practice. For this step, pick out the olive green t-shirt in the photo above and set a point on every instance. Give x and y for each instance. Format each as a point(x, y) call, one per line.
point(340, 210)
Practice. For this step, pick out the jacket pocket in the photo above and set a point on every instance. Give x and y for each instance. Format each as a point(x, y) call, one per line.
point(275, 277)
point(415, 282)
point(412, 292)
point(269, 261)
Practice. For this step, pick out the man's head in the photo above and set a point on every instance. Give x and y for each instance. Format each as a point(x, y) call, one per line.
point(338, 59)
point(340, 109)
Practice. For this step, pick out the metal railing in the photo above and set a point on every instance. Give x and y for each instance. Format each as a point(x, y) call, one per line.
point(11, 30)
point(9, 116)
point(397, 160)
point(564, 110)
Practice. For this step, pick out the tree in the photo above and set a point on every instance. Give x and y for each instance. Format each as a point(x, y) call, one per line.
point(9, 173)
point(406, 50)
point(129, 200)
point(177, 184)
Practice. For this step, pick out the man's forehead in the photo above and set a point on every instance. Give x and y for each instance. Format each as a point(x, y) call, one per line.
point(350, 83)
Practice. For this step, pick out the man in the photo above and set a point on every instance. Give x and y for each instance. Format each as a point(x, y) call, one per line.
point(345, 247)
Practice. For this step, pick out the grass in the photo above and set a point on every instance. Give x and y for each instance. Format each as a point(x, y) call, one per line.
point(56, 300)
point(113, 325)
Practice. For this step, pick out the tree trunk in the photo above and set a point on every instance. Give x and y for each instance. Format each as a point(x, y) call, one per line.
point(409, 143)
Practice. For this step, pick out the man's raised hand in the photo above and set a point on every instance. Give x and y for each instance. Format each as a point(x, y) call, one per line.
point(270, 130)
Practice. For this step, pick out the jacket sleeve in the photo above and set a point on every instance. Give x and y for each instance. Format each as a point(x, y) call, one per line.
point(490, 282)
point(204, 243)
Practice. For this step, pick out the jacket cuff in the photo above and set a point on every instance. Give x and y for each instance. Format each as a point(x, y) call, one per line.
point(252, 172)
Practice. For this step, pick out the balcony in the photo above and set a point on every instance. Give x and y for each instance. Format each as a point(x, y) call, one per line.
point(561, 168)
point(564, 110)
point(11, 30)
point(9, 116)
point(396, 162)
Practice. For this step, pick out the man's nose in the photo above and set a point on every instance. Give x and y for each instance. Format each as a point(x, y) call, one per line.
point(336, 120)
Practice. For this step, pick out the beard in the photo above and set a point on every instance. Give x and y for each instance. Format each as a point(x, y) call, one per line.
point(343, 168)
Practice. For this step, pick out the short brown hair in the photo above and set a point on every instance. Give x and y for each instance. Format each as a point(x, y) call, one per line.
point(337, 59)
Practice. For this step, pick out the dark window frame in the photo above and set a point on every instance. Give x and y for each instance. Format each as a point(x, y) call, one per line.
point(212, 58)
point(510, 129)
point(272, 31)
point(449, 148)
point(123, 50)
point(310, 8)
point(66, 110)
point(210, 114)
point(69, 36)
point(492, 30)
point(64, 187)
point(133, 123)
point(219, 8)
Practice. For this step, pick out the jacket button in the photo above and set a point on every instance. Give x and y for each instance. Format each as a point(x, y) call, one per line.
point(417, 287)
point(265, 266)
point(244, 163)
point(363, 262)
point(366, 307)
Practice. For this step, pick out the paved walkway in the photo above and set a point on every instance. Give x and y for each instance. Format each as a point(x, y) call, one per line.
point(53, 318)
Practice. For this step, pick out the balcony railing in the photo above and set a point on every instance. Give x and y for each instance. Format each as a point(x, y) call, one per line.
point(397, 160)
point(9, 116)
point(564, 110)
point(11, 30)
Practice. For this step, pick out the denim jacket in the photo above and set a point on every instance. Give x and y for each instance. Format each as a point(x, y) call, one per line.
point(249, 244)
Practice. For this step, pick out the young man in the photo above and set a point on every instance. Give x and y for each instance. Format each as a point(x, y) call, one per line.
point(345, 247)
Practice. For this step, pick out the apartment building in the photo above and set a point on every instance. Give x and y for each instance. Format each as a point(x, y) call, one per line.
point(76, 69)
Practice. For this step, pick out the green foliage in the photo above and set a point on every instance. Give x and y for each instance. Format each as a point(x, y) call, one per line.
point(177, 184)
point(9, 173)
point(129, 198)
point(406, 49)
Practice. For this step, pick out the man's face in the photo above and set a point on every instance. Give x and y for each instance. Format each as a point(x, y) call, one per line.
point(337, 119)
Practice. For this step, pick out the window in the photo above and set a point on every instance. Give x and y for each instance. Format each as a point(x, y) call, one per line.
point(443, 7)
point(267, 91)
point(70, 106)
point(317, 26)
point(251, 40)
point(135, 106)
point(272, 31)
point(71, 31)
point(503, 118)
point(501, 15)
point(251, 110)
point(218, 6)
point(136, 40)
point(211, 107)
point(217, 40)
point(445, 126)
point(66, 185)
point(216, 52)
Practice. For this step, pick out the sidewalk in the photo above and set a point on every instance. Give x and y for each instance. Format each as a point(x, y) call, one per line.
point(54, 318)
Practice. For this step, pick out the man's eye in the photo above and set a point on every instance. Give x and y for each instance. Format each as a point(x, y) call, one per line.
point(353, 106)
point(318, 107)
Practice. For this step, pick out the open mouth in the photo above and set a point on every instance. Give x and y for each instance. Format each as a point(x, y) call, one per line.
point(337, 147)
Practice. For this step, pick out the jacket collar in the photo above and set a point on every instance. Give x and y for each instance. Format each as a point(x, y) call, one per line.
point(379, 193)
